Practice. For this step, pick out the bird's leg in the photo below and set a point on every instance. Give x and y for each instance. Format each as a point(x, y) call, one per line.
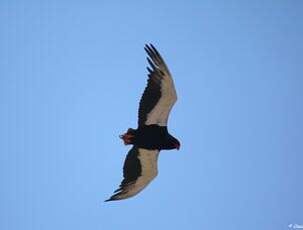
point(128, 137)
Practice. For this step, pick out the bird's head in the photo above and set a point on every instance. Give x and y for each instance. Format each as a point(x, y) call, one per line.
point(177, 144)
point(174, 143)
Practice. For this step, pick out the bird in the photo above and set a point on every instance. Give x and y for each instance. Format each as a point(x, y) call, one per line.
point(151, 136)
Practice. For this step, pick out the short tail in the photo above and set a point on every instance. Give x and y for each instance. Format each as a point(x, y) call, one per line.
point(128, 137)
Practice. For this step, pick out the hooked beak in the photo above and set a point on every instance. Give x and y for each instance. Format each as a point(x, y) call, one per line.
point(177, 146)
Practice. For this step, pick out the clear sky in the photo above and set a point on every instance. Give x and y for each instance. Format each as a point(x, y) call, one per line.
point(72, 74)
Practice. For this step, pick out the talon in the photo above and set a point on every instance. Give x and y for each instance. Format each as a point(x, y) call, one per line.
point(127, 138)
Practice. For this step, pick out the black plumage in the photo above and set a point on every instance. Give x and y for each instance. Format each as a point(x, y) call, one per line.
point(131, 171)
point(151, 136)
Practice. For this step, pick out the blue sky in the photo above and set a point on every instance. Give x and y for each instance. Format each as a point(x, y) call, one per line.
point(71, 76)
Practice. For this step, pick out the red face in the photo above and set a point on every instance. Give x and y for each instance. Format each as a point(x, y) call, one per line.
point(177, 145)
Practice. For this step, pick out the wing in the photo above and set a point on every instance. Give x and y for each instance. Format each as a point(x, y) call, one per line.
point(140, 168)
point(160, 94)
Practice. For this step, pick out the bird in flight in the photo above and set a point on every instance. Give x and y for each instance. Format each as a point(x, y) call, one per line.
point(151, 136)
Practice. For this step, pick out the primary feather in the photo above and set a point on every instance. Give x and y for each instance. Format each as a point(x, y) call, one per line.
point(160, 94)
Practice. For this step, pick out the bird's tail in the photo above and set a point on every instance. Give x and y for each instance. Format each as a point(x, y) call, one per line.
point(128, 137)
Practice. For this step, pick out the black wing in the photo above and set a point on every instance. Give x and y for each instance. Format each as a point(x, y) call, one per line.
point(160, 94)
point(140, 168)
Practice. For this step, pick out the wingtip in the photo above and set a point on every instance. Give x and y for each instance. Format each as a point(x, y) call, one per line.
point(111, 199)
point(146, 47)
point(148, 44)
point(114, 197)
point(151, 45)
point(149, 48)
point(155, 50)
